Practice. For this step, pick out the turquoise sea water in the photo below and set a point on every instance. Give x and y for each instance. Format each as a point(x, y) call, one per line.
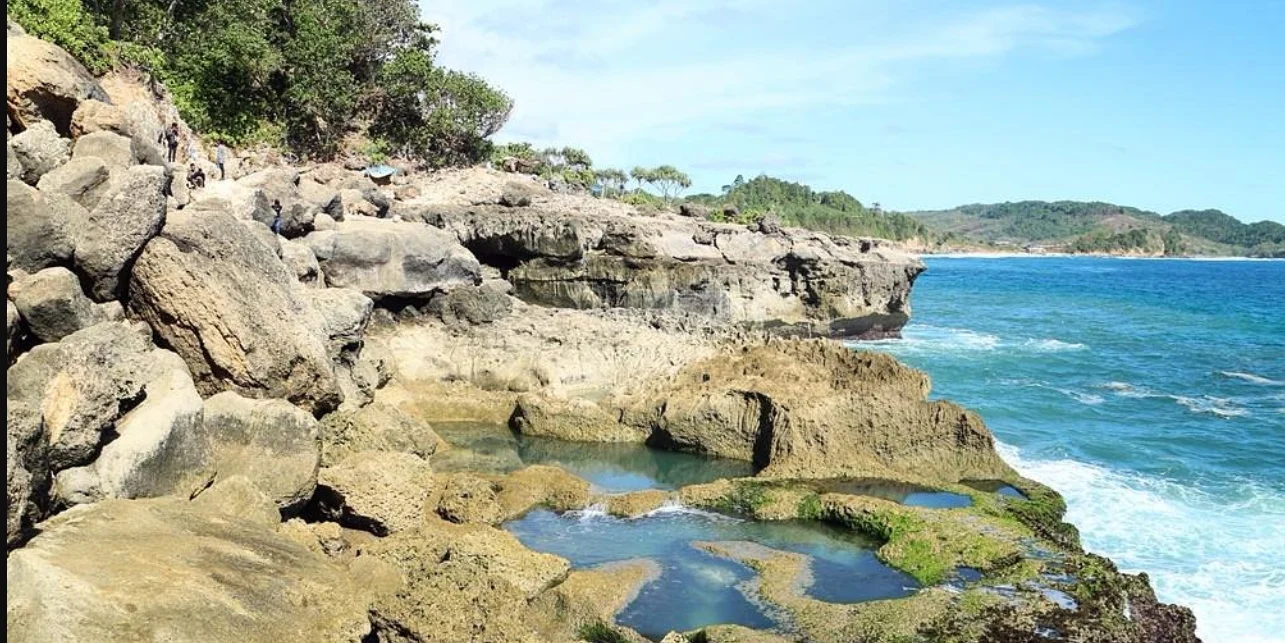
point(1151, 393)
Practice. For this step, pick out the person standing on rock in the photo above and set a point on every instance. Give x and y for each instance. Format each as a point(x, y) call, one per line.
point(221, 157)
point(276, 220)
point(171, 141)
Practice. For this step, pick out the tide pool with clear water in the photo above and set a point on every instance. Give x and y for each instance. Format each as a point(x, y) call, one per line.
point(696, 588)
point(1151, 393)
point(614, 468)
point(906, 494)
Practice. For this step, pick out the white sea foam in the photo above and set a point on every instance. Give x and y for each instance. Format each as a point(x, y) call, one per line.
point(1082, 397)
point(1250, 377)
point(1220, 558)
point(1213, 405)
point(1053, 345)
point(925, 338)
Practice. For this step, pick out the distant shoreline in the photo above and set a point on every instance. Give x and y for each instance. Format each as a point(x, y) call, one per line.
point(1068, 255)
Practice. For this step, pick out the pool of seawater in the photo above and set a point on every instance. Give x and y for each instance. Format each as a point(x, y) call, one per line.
point(696, 588)
point(906, 494)
point(611, 467)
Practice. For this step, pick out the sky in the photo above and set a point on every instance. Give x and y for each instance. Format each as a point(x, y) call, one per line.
point(913, 104)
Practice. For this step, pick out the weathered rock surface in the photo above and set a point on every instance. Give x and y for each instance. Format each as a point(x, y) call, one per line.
point(242, 202)
point(111, 148)
point(571, 419)
point(379, 491)
point(37, 227)
point(299, 258)
point(468, 498)
point(84, 180)
point(14, 330)
point(159, 447)
point(231, 309)
point(39, 149)
point(185, 572)
point(376, 427)
point(274, 444)
point(97, 116)
point(111, 237)
point(344, 314)
point(44, 82)
point(53, 306)
point(384, 258)
point(13, 165)
point(282, 184)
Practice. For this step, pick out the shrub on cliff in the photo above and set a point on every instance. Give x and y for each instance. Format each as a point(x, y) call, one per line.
point(66, 24)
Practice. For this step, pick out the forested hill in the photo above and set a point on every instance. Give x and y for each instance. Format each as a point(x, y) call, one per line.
point(797, 204)
point(1078, 226)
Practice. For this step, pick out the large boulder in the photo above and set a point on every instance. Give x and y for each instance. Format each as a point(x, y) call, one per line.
point(299, 258)
point(81, 386)
point(13, 330)
point(85, 180)
point(68, 402)
point(183, 572)
point(38, 225)
point(243, 202)
point(96, 116)
point(111, 148)
point(53, 306)
point(344, 314)
point(45, 83)
point(282, 184)
point(39, 149)
point(383, 258)
point(379, 491)
point(17, 494)
point(159, 447)
point(225, 303)
point(130, 214)
point(272, 443)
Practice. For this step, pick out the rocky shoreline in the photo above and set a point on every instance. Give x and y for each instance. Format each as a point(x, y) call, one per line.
point(217, 433)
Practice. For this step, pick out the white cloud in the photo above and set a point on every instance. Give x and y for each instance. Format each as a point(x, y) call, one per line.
point(605, 75)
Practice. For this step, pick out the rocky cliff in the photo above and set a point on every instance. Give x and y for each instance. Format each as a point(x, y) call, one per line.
point(218, 433)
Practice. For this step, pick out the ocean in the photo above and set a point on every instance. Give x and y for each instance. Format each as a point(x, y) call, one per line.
point(1150, 393)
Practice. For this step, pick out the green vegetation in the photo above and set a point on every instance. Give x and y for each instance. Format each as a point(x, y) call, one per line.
point(810, 507)
point(599, 632)
point(745, 498)
point(796, 204)
point(1095, 227)
point(302, 74)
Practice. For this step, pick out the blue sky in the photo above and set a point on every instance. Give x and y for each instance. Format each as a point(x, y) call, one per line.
point(915, 104)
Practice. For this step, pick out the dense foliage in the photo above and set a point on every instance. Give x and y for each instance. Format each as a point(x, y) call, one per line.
point(300, 73)
point(1224, 228)
point(836, 212)
point(1047, 221)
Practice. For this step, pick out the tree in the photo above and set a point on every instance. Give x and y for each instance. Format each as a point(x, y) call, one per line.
point(670, 180)
point(612, 181)
point(576, 158)
point(641, 175)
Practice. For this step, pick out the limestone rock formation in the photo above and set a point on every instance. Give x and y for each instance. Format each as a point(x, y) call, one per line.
point(183, 572)
point(558, 252)
point(111, 148)
point(44, 82)
point(97, 116)
point(380, 491)
point(818, 409)
point(84, 180)
point(344, 314)
point(111, 237)
point(571, 419)
point(39, 149)
point(242, 202)
point(53, 306)
point(159, 447)
point(384, 259)
point(376, 427)
point(231, 309)
point(13, 165)
point(274, 444)
point(299, 258)
point(37, 227)
point(468, 498)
